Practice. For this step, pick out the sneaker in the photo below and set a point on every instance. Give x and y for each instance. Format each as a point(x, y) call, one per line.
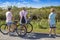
point(54, 36)
point(49, 35)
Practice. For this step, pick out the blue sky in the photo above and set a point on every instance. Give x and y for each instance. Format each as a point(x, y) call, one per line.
point(29, 3)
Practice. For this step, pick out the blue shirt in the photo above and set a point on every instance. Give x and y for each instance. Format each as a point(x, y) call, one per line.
point(52, 16)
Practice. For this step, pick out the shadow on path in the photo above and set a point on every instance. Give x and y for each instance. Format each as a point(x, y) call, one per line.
point(36, 36)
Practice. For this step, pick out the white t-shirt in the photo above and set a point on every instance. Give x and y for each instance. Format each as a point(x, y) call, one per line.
point(23, 13)
point(8, 16)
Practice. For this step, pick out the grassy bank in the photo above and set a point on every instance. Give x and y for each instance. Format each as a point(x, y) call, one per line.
point(41, 26)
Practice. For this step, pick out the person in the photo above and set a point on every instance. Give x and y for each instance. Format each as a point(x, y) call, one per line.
point(9, 18)
point(23, 16)
point(52, 22)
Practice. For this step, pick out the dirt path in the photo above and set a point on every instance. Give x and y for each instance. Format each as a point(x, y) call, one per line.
point(32, 36)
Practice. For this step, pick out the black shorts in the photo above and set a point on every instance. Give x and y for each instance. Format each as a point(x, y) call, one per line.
point(23, 20)
point(53, 26)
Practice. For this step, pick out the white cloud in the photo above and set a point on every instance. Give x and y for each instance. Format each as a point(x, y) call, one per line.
point(5, 4)
point(18, 4)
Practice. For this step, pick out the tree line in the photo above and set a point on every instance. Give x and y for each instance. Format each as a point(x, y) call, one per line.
point(37, 13)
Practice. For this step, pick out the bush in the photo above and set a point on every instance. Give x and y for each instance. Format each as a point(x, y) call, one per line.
point(2, 17)
point(44, 24)
point(34, 17)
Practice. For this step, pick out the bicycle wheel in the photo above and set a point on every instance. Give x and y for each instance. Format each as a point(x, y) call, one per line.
point(4, 29)
point(21, 30)
point(29, 28)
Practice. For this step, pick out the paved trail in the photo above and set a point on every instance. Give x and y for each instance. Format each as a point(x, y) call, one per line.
point(32, 36)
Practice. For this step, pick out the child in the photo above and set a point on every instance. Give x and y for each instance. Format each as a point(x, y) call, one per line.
point(52, 22)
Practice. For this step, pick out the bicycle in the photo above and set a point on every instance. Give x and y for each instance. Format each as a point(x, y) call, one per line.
point(27, 29)
point(29, 26)
point(19, 30)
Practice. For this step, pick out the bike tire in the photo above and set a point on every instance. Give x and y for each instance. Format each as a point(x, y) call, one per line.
point(3, 29)
point(19, 29)
point(29, 28)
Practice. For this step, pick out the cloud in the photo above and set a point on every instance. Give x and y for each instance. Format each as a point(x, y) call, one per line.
point(5, 4)
point(24, 3)
point(18, 4)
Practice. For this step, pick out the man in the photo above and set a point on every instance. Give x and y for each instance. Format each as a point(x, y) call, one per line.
point(9, 18)
point(23, 16)
point(52, 22)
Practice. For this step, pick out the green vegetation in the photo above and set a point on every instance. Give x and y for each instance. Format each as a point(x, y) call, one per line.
point(40, 17)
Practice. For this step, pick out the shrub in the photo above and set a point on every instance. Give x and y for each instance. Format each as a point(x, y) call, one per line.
point(43, 24)
point(2, 17)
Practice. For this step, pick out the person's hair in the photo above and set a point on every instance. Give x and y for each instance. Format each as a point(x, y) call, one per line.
point(52, 9)
point(24, 8)
point(9, 9)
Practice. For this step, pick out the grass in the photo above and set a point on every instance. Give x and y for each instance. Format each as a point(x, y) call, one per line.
point(45, 31)
point(42, 26)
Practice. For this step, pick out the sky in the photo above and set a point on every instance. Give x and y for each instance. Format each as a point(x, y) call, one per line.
point(29, 3)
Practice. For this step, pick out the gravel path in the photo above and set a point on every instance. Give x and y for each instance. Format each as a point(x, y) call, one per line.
point(31, 36)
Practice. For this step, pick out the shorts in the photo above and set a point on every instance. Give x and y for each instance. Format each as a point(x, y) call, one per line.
point(9, 23)
point(23, 22)
point(52, 26)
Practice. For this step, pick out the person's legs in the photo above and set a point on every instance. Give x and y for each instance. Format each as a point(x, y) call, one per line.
point(13, 26)
point(8, 29)
point(8, 24)
point(53, 27)
point(54, 31)
point(50, 31)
